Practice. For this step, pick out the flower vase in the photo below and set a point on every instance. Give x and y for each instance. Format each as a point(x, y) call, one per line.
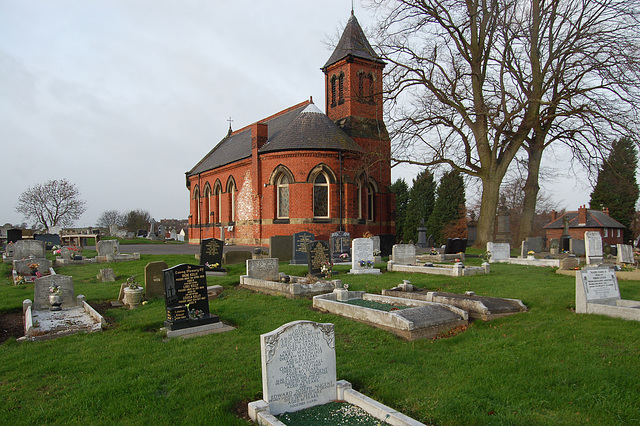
point(55, 300)
point(133, 296)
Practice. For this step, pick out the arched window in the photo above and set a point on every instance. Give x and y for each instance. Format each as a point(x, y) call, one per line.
point(341, 88)
point(217, 192)
point(196, 196)
point(283, 196)
point(231, 189)
point(365, 87)
point(333, 91)
point(321, 196)
point(371, 203)
point(206, 207)
point(359, 199)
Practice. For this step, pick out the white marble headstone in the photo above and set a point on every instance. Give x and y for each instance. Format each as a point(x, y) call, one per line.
point(593, 247)
point(596, 285)
point(499, 251)
point(298, 366)
point(625, 254)
point(361, 249)
point(108, 247)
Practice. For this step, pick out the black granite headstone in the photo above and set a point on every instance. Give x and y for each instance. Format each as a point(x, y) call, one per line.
point(387, 241)
point(281, 247)
point(340, 244)
point(300, 241)
point(185, 297)
point(50, 240)
point(318, 255)
point(455, 245)
point(211, 254)
point(14, 235)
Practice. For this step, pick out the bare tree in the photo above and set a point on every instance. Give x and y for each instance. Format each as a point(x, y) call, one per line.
point(471, 82)
point(138, 219)
point(110, 217)
point(54, 203)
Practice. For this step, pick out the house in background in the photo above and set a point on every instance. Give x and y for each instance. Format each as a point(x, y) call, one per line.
point(302, 169)
point(586, 220)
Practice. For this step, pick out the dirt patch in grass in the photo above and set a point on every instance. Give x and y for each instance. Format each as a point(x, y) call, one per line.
point(242, 410)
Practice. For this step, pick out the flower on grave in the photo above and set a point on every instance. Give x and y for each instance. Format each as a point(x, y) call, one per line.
point(531, 252)
point(54, 289)
point(21, 280)
point(434, 251)
point(38, 274)
point(57, 251)
point(211, 265)
point(33, 266)
point(344, 256)
point(345, 286)
point(457, 260)
point(376, 252)
point(486, 255)
point(131, 282)
point(194, 313)
point(326, 269)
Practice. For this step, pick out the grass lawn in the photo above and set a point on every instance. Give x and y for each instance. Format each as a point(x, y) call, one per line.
point(546, 366)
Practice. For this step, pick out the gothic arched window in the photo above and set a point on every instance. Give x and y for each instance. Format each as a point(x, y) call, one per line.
point(341, 88)
point(371, 203)
point(333, 91)
point(283, 196)
point(231, 189)
point(321, 196)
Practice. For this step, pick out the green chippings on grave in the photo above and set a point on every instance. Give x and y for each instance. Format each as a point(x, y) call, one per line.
point(387, 307)
point(332, 413)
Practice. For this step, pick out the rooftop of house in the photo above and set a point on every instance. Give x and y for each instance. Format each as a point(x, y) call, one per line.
point(590, 219)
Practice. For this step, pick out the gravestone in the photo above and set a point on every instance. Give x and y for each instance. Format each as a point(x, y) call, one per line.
point(524, 249)
point(455, 246)
point(404, 254)
point(318, 254)
point(154, 279)
point(14, 235)
point(211, 254)
point(108, 248)
point(298, 366)
point(422, 235)
point(22, 266)
point(186, 299)
point(300, 241)
point(363, 253)
point(376, 244)
point(569, 263)
point(625, 254)
point(236, 256)
point(577, 247)
point(596, 285)
point(431, 241)
point(536, 244)
point(340, 244)
point(281, 247)
point(263, 269)
point(503, 234)
point(593, 247)
point(41, 291)
point(106, 275)
point(23, 249)
point(50, 240)
point(69, 252)
point(499, 251)
point(387, 241)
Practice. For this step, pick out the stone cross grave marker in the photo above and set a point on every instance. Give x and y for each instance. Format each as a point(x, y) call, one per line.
point(404, 254)
point(362, 251)
point(340, 243)
point(318, 255)
point(625, 254)
point(593, 247)
point(298, 366)
point(108, 248)
point(263, 269)
point(211, 253)
point(22, 249)
point(300, 241)
point(281, 248)
point(154, 279)
point(41, 291)
point(186, 299)
point(499, 251)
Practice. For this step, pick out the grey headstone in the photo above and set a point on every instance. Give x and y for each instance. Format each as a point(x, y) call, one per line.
point(22, 266)
point(23, 249)
point(524, 249)
point(536, 244)
point(625, 254)
point(499, 251)
point(298, 366)
point(107, 275)
point(236, 256)
point(577, 247)
point(300, 241)
point(41, 291)
point(362, 250)
point(596, 285)
point(569, 263)
point(263, 269)
point(404, 254)
point(593, 247)
point(340, 243)
point(376, 244)
point(281, 247)
point(108, 247)
point(154, 279)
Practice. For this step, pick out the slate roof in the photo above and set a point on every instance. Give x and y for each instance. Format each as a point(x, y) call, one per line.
point(595, 219)
point(301, 127)
point(353, 43)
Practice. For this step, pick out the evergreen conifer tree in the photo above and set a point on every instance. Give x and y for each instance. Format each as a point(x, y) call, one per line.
point(616, 187)
point(401, 189)
point(421, 201)
point(449, 206)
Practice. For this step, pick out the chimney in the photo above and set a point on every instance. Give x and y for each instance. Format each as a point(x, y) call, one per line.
point(554, 215)
point(582, 215)
point(259, 135)
point(606, 211)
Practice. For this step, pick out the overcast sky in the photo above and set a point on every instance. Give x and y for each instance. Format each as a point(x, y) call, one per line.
point(122, 97)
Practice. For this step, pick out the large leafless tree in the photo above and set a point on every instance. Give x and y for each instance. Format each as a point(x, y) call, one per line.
point(54, 203)
point(471, 82)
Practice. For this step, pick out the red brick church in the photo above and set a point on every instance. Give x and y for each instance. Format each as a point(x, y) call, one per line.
point(301, 169)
